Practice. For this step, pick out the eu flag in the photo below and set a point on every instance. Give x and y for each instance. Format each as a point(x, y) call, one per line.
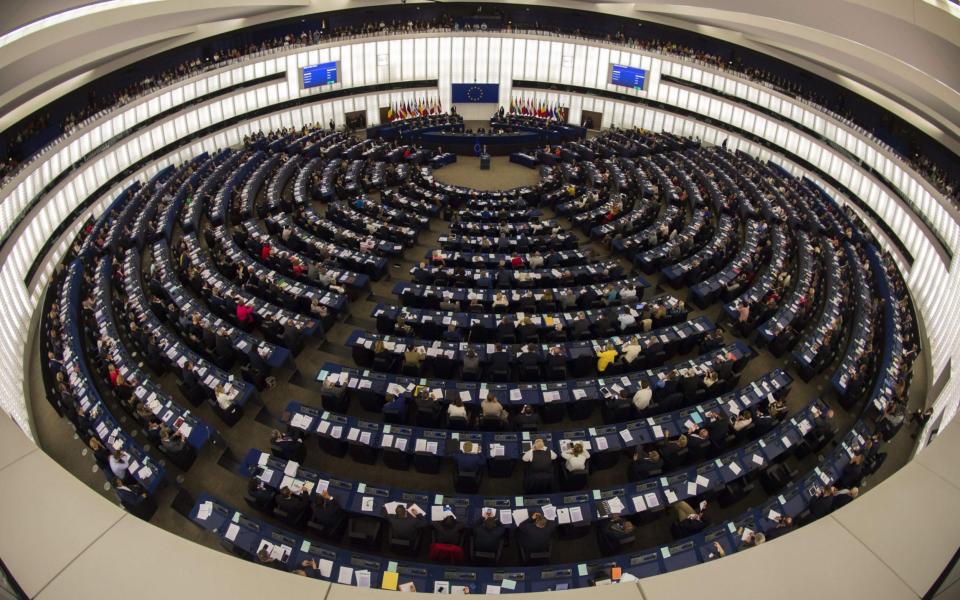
point(476, 92)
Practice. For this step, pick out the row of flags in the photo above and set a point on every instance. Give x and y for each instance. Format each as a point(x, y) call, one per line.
point(530, 107)
point(414, 108)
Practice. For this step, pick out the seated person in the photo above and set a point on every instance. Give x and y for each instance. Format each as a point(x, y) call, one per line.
point(643, 396)
point(119, 463)
point(448, 531)
point(671, 450)
point(689, 521)
point(784, 525)
point(492, 409)
point(618, 402)
point(130, 495)
point(631, 350)
point(616, 531)
point(286, 445)
point(471, 361)
point(644, 464)
point(539, 473)
point(331, 387)
point(452, 334)
point(404, 526)
point(173, 443)
point(456, 409)
point(260, 494)
point(744, 420)
point(468, 458)
point(427, 404)
point(605, 358)
point(698, 441)
point(488, 534)
point(536, 534)
point(414, 357)
point(326, 511)
point(528, 358)
point(224, 400)
point(842, 497)
point(395, 404)
point(747, 538)
point(294, 505)
point(576, 457)
point(528, 419)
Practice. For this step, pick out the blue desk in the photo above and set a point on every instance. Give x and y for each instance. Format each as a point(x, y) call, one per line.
point(514, 394)
point(246, 535)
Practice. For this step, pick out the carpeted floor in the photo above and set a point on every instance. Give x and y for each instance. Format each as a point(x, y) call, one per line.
point(214, 471)
point(502, 175)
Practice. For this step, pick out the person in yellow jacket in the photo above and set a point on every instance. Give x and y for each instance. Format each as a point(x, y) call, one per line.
point(605, 357)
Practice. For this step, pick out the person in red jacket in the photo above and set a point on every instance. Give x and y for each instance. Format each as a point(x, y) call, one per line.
point(296, 267)
point(264, 252)
point(244, 314)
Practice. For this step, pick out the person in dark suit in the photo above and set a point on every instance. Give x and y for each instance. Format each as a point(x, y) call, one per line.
point(488, 534)
point(579, 327)
point(130, 495)
point(852, 473)
point(698, 444)
point(671, 450)
point(556, 360)
point(690, 383)
point(644, 464)
point(718, 426)
point(527, 358)
point(448, 531)
point(272, 328)
point(395, 404)
point(222, 344)
point(723, 366)
point(260, 494)
point(762, 422)
point(535, 534)
point(528, 419)
point(452, 334)
point(527, 331)
point(286, 445)
point(295, 505)
point(427, 405)
point(403, 526)
point(506, 329)
point(468, 458)
point(784, 525)
point(616, 532)
point(326, 511)
point(843, 497)
point(821, 503)
point(154, 357)
point(500, 359)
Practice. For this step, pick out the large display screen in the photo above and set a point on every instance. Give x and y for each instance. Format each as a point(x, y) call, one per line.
point(633, 77)
point(321, 74)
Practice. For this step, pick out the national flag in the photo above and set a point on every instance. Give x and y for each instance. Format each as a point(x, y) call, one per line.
point(390, 113)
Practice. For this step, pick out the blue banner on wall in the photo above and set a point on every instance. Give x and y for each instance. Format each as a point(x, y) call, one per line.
point(476, 92)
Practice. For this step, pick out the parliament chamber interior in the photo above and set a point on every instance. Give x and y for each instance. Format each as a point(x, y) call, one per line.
point(453, 297)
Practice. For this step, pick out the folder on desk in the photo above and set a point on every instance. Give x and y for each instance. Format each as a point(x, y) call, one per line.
point(390, 580)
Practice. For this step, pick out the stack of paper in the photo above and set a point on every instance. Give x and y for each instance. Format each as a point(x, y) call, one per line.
point(204, 511)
